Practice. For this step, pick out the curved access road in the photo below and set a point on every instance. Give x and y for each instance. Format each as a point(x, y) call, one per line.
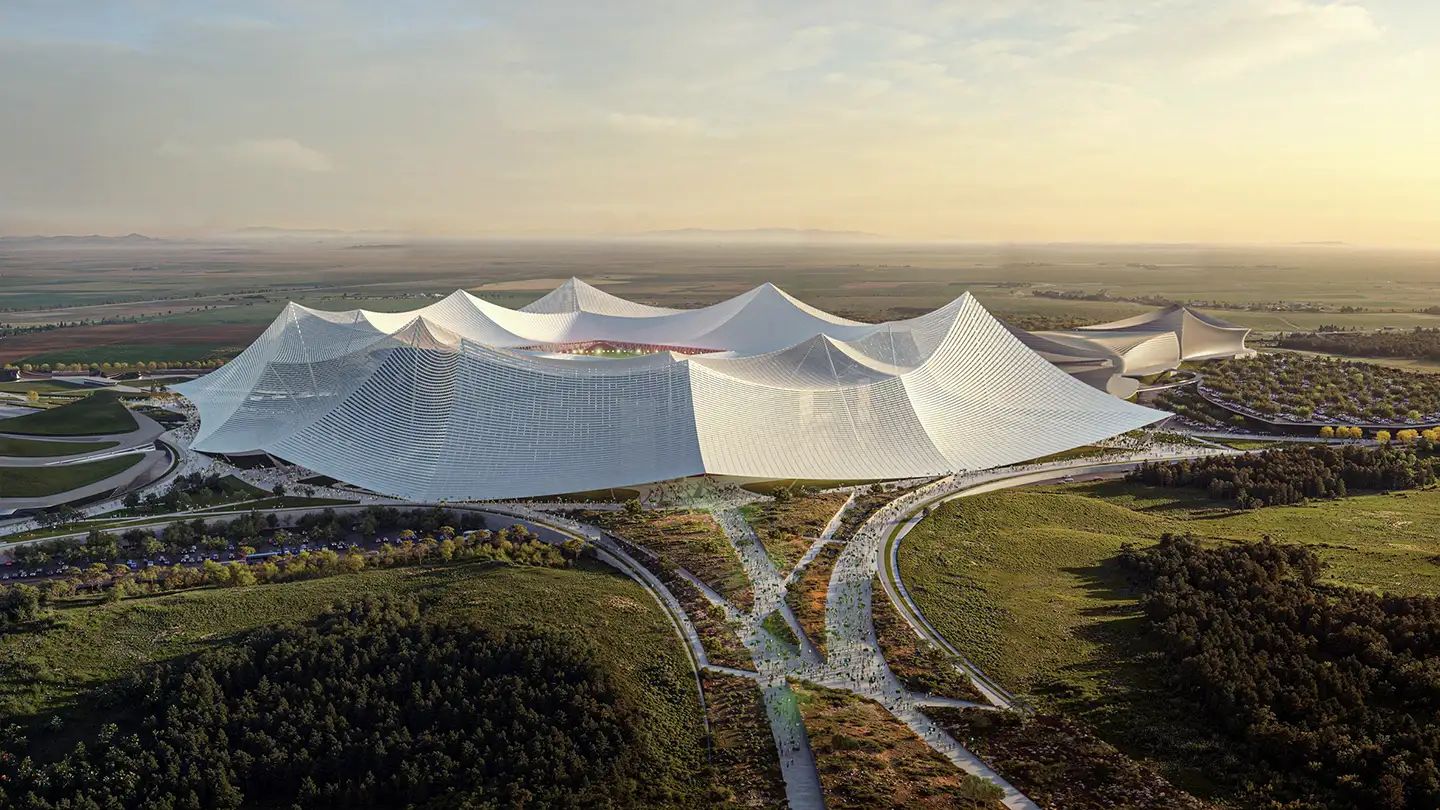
point(979, 484)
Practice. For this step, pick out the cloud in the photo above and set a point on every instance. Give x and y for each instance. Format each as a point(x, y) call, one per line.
point(279, 153)
point(1212, 40)
point(1268, 33)
point(644, 124)
point(575, 117)
point(286, 154)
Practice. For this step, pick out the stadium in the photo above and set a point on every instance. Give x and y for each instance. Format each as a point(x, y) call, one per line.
point(581, 390)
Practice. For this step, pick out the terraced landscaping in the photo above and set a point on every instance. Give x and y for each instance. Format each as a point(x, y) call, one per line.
point(747, 765)
point(39, 448)
point(38, 482)
point(917, 663)
point(807, 594)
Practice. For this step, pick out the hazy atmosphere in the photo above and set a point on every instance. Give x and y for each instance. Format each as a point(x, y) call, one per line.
point(979, 405)
point(1238, 120)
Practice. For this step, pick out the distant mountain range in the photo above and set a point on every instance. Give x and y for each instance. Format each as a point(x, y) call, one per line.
point(762, 235)
point(93, 240)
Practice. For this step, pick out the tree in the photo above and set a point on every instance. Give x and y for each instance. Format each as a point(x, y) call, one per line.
point(1327, 432)
point(1382, 436)
point(239, 574)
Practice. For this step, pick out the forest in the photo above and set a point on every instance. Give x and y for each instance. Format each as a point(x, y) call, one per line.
point(325, 526)
point(1331, 690)
point(1292, 474)
point(1419, 343)
point(1304, 388)
point(371, 705)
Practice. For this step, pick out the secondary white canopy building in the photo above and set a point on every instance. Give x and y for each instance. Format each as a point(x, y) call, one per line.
point(1156, 341)
point(465, 399)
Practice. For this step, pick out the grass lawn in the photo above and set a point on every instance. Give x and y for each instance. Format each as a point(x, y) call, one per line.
point(869, 759)
point(1025, 583)
point(1402, 363)
point(691, 540)
point(37, 448)
point(36, 482)
point(97, 414)
point(1254, 444)
point(42, 386)
point(58, 667)
point(787, 528)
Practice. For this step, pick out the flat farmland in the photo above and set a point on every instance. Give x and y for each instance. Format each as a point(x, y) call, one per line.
point(128, 342)
point(231, 291)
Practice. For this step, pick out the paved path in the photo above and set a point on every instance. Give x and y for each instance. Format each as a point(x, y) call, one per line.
point(855, 662)
point(767, 582)
point(820, 542)
point(152, 464)
point(797, 760)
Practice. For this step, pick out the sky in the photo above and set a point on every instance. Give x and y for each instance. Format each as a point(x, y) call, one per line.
point(974, 120)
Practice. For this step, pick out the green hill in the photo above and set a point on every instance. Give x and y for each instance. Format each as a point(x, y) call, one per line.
point(64, 668)
point(95, 415)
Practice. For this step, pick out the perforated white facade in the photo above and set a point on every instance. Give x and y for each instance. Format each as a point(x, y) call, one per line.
point(467, 400)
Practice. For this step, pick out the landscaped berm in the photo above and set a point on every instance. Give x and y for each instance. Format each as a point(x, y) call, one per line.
point(98, 414)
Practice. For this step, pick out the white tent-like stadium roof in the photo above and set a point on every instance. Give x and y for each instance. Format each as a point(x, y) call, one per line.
point(1156, 341)
point(468, 400)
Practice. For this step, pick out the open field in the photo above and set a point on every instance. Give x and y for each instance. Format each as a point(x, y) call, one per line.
point(230, 292)
point(1025, 582)
point(94, 415)
point(56, 668)
point(37, 482)
point(41, 387)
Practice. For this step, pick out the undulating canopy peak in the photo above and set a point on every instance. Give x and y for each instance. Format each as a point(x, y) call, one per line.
point(466, 399)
